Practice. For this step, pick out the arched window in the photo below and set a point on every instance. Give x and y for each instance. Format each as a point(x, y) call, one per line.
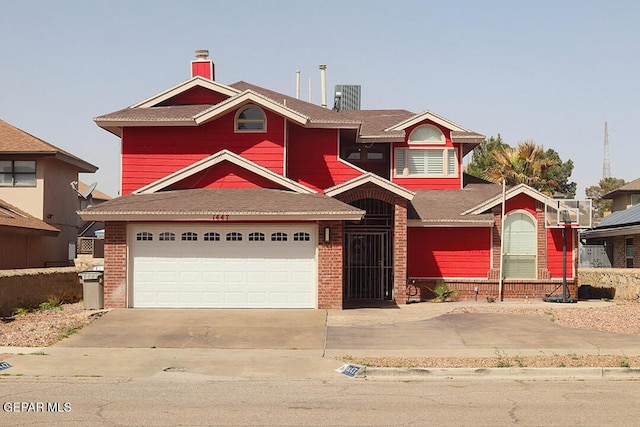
point(520, 246)
point(211, 236)
point(251, 119)
point(279, 237)
point(167, 236)
point(144, 236)
point(256, 236)
point(426, 134)
point(189, 236)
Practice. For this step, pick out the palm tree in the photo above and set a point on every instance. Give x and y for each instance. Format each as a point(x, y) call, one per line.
point(524, 164)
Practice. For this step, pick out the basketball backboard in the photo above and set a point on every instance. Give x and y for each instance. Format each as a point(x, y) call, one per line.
point(560, 213)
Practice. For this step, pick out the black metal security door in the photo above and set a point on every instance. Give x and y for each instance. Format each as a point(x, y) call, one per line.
point(368, 265)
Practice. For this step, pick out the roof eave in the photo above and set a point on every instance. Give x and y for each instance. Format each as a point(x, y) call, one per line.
point(229, 216)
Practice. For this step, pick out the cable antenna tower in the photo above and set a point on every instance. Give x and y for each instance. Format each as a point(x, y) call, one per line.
point(606, 166)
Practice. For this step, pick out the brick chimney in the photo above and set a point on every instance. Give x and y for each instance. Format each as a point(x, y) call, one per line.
point(202, 66)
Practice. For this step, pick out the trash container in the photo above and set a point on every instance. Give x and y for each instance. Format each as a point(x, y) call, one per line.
point(92, 289)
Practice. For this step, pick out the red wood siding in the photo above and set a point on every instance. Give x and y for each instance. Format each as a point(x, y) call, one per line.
point(202, 68)
point(225, 175)
point(448, 252)
point(196, 95)
point(312, 158)
point(554, 252)
point(452, 183)
point(523, 202)
point(151, 153)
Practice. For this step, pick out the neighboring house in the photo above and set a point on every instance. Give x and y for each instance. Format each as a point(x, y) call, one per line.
point(239, 196)
point(34, 187)
point(615, 242)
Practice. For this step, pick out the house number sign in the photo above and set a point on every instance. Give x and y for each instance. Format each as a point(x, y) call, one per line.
point(221, 217)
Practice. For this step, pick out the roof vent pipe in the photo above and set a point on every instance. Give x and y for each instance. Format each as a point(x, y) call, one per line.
point(297, 84)
point(323, 84)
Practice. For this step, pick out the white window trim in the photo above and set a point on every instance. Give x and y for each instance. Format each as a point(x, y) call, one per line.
point(442, 142)
point(445, 163)
point(263, 121)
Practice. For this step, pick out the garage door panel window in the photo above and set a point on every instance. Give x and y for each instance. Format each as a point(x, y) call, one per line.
point(189, 236)
point(211, 237)
point(301, 237)
point(234, 236)
point(144, 236)
point(256, 237)
point(167, 236)
point(279, 237)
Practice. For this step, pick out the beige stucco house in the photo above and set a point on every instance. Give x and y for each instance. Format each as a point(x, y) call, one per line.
point(35, 189)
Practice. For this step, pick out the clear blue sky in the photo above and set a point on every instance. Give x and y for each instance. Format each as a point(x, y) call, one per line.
point(549, 71)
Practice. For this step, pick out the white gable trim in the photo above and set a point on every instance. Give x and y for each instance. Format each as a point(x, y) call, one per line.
point(511, 193)
point(373, 179)
point(246, 97)
point(427, 115)
point(221, 156)
point(183, 87)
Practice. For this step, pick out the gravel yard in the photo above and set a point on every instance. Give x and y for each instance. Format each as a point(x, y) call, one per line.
point(42, 328)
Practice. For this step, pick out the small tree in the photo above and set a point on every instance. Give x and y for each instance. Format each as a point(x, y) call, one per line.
point(527, 163)
point(595, 193)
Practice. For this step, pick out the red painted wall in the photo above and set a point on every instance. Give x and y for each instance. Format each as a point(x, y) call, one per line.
point(452, 183)
point(448, 252)
point(195, 95)
point(151, 153)
point(554, 252)
point(522, 202)
point(312, 158)
point(224, 175)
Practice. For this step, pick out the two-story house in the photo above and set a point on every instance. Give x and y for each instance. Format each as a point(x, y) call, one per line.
point(37, 204)
point(240, 196)
point(617, 236)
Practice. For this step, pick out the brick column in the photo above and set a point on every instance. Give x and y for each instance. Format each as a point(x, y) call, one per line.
point(330, 262)
point(543, 269)
point(400, 251)
point(115, 264)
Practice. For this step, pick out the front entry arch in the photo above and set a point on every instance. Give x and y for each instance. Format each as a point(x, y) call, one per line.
point(368, 254)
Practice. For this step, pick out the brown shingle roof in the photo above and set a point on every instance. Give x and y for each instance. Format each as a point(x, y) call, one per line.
point(17, 141)
point(629, 187)
point(205, 202)
point(434, 206)
point(19, 221)
point(156, 114)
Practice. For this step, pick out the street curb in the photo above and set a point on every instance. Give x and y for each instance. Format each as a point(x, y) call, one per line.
point(505, 373)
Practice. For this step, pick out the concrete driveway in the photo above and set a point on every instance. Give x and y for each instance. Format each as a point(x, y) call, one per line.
point(194, 328)
point(413, 330)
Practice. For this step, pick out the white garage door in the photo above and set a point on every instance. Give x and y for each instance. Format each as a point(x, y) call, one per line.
point(224, 266)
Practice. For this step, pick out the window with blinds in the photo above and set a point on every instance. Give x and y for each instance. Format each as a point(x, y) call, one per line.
point(520, 244)
point(426, 162)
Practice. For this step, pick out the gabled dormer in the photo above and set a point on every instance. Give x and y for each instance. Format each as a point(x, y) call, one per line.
point(430, 155)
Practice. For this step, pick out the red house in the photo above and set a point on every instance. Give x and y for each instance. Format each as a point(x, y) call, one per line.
point(239, 196)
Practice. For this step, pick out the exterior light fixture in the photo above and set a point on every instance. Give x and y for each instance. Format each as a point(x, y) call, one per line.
point(327, 234)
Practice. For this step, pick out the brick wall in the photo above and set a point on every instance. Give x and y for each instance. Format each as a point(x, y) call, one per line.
point(115, 265)
point(511, 289)
point(330, 256)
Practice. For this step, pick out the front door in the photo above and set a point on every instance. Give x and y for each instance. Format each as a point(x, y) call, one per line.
point(368, 266)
